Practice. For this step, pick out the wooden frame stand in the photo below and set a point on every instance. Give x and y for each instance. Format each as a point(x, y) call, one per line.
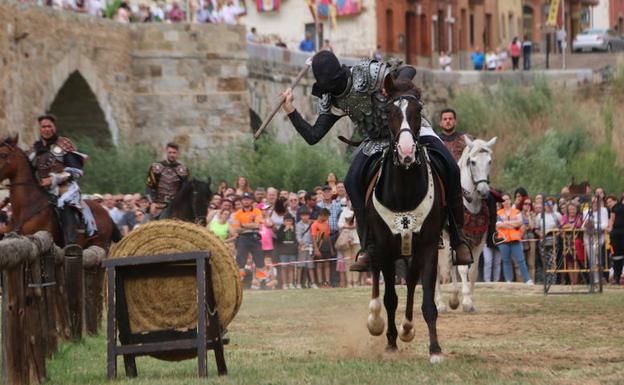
point(201, 339)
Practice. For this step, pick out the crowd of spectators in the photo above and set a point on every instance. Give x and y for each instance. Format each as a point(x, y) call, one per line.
point(200, 11)
point(291, 240)
point(496, 59)
point(556, 237)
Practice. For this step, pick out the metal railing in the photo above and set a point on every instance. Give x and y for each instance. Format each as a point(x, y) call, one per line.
point(574, 252)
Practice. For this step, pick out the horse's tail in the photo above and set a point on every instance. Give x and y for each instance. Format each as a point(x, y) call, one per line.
point(115, 233)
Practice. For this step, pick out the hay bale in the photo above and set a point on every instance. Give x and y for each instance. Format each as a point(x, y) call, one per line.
point(170, 303)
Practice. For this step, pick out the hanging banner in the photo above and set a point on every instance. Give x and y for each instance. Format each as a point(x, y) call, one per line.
point(553, 14)
point(268, 5)
point(342, 7)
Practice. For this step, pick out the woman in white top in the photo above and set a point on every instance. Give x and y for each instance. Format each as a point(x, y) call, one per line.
point(491, 60)
point(596, 219)
point(547, 223)
point(445, 62)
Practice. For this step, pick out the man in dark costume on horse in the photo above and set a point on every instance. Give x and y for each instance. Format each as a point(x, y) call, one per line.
point(357, 92)
point(455, 142)
point(164, 180)
point(58, 166)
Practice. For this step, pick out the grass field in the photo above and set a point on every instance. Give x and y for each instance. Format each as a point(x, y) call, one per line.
point(517, 336)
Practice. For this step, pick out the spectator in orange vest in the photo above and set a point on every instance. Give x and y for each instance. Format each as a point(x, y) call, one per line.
point(509, 227)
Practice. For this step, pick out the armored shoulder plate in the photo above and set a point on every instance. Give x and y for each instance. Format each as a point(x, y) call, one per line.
point(182, 171)
point(361, 76)
point(66, 144)
point(156, 168)
point(368, 75)
point(58, 151)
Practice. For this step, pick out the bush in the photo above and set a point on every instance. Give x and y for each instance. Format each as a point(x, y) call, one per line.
point(121, 169)
point(291, 166)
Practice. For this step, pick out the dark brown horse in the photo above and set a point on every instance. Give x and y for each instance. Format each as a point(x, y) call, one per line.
point(405, 213)
point(31, 208)
point(190, 204)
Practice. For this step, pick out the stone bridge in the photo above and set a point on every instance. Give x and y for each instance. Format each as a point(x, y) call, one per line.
point(199, 85)
point(112, 82)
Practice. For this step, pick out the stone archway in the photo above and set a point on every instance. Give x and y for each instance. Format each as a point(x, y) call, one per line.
point(79, 113)
point(77, 73)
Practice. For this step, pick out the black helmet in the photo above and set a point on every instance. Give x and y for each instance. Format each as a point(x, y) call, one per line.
point(331, 76)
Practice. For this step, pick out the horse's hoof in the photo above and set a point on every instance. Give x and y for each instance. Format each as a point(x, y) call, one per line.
point(454, 302)
point(374, 306)
point(442, 308)
point(376, 325)
point(436, 358)
point(406, 332)
point(391, 348)
point(469, 308)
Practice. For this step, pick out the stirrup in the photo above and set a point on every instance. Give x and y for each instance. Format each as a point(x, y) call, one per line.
point(362, 262)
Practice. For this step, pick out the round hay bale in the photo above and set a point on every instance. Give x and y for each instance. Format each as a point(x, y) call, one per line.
point(161, 303)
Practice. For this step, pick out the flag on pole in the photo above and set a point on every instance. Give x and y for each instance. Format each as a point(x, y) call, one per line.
point(333, 13)
point(312, 7)
point(553, 14)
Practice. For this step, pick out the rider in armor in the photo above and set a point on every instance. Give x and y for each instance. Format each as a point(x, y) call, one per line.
point(455, 142)
point(357, 92)
point(58, 166)
point(164, 180)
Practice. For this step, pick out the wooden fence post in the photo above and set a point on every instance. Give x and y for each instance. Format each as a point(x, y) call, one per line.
point(75, 289)
point(14, 363)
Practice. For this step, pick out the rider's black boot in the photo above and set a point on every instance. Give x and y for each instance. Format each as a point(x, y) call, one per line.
point(69, 221)
point(462, 254)
point(363, 261)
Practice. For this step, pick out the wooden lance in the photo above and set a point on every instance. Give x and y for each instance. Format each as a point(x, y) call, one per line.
point(294, 84)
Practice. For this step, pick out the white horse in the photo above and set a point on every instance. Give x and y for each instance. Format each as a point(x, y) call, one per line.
point(474, 166)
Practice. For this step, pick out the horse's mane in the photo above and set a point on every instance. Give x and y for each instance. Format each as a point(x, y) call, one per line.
point(187, 187)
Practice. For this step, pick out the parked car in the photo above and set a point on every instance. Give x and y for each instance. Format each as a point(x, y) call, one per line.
point(598, 39)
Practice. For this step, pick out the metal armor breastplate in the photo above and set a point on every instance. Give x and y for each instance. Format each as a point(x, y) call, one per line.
point(168, 184)
point(363, 102)
point(46, 163)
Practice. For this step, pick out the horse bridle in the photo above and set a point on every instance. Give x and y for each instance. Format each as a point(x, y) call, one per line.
point(395, 140)
point(476, 182)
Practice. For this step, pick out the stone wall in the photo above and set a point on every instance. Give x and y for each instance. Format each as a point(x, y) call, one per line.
point(272, 70)
point(190, 85)
point(40, 48)
point(153, 82)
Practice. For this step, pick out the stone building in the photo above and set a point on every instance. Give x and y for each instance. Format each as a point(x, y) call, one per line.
point(353, 34)
point(535, 14)
point(420, 30)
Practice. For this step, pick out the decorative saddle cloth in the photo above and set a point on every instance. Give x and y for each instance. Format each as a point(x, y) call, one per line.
point(476, 225)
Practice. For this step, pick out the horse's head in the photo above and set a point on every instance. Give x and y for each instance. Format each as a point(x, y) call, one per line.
point(404, 111)
point(201, 197)
point(8, 152)
point(478, 158)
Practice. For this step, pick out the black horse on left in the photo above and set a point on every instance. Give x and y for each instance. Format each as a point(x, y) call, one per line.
point(190, 204)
